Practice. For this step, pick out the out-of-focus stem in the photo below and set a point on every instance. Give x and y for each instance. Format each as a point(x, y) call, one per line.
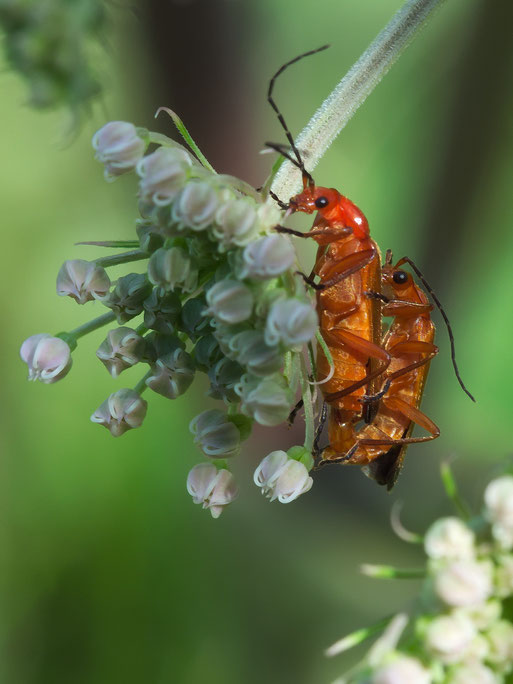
point(352, 91)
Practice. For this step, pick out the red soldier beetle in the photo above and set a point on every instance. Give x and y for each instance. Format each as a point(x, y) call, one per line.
point(348, 265)
point(381, 445)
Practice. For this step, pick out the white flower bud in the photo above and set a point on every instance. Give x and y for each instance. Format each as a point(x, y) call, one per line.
point(402, 670)
point(449, 538)
point(172, 374)
point(163, 174)
point(212, 488)
point(473, 672)
point(82, 280)
point(292, 322)
point(498, 498)
point(267, 401)
point(223, 376)
point(236, 223)
point(449, 637)
point(119, 147)
point(196, 206)
point(122, 411)
point(268, 257)
point(282, 478)
point(48, 358)
point(216, 436)
point(250, 350)
point(269, 215)
point(121, 349)
point(229, 301)
point(500, 638)
point(162, 310)
point(464, 583)
point(127, 297)
point(172, 268)
point(504, 575)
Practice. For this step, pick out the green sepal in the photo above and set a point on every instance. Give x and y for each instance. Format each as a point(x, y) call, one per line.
point(242, 423)
point(69, 339)
point(301, 454)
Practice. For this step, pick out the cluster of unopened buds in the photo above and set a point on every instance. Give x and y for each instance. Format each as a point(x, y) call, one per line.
point(463, 632)
point(49, 42)
point(219, 296)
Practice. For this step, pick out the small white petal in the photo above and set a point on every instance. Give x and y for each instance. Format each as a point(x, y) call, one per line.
point(449, 538)
point(449, 637)
point(402, 670)
point(464, 583)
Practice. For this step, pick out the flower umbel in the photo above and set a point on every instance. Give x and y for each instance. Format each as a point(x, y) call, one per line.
point(216, 294)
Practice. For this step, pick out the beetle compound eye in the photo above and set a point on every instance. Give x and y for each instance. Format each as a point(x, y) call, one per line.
point(400, 277)
point(321, 202)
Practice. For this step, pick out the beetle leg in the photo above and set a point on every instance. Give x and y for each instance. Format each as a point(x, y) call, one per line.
point(318, 432)
point(410, 412)
point(412, 347)
point(294, 412)
point(361, 346)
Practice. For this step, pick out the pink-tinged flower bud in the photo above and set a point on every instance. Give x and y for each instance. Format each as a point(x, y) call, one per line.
point(282, 478)
point(229, 301)
point(82, 280)
point(215, 434)
point(464, 583)
point(449, 538)
point(172, 374)
point(402, 670)
point(48, 358)
point(498, 498)
point(122, 411)
point(449, 637)
point(163, 174)
point(122, 349)
point(196, 206)
point(212, 488)
point(291, 322)
point(119, 147)
point(267, 257)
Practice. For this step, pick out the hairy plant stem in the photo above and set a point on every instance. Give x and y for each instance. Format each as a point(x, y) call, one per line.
point(352, 91)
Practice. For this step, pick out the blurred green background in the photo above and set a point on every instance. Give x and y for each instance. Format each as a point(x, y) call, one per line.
point(108, 572)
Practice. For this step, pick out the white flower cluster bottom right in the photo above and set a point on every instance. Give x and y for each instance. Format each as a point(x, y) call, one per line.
point(464, 632)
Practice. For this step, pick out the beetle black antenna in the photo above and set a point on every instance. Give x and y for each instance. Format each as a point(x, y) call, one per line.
point(273, 104)
point(446, 320)
point(282, 149)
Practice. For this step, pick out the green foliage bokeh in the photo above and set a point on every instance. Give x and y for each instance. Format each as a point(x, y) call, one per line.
point(109, 573)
